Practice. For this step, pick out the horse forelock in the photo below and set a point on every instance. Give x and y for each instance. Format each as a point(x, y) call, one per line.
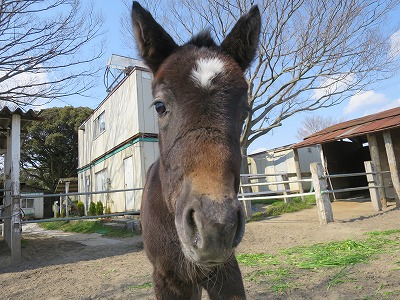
point(203, 39)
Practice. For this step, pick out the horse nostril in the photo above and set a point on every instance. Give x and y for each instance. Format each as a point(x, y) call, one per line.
point(193, 231)
point(240, 228)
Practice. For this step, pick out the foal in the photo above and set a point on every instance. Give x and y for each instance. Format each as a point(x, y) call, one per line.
point(191, 217)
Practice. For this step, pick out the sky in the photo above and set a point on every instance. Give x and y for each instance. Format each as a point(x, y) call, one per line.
point(384, 95)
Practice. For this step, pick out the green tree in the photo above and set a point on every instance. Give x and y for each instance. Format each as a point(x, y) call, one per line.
point(50, 148)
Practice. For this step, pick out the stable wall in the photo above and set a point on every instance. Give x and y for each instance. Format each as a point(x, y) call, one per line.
point(281, 161)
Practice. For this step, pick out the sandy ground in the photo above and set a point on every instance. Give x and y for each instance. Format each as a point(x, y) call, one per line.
point(58, 265)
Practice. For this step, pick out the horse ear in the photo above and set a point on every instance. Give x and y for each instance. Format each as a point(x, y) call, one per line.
point(154, 43)
point(241, 43)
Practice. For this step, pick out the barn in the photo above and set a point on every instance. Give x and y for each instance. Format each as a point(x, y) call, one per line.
point(345, 146)
point(118, 143)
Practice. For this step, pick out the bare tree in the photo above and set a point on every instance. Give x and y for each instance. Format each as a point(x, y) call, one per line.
point(41, 50)
point(312, 53)
point(314, 123)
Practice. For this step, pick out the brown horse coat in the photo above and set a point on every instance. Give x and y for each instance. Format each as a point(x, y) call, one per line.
point(191, 218)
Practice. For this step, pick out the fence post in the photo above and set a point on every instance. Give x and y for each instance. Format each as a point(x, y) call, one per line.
point(394, 173)
point(298, 172)
point(247, 209)
point(373, 183)
point(322, 198)
point(376, 161)
point(16, 228)
point(286, 187)
point(66, 199)
point(246, 203)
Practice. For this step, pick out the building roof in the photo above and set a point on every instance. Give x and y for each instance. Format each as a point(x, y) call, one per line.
point(73, 185)
point(5, 122)
point(381, 121)
point(26, 117)
point(140, 66)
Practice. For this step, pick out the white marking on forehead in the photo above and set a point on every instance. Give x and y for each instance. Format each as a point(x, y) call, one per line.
point(205, 71)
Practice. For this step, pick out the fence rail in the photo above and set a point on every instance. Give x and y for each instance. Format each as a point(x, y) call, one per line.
point(247, 194)
point(35, 195)
point(276, 182)
point(133, 213)
point(322, 191)
point(352, 174)
point(276, 196)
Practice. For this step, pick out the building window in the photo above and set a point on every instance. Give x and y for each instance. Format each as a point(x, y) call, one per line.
point(27, 203)
point(99, 125)
point(100, 179)
point(100, 184)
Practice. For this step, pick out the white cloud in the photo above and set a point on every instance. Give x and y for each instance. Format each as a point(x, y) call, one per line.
point(333, 84)
point(369, 102)
point(389, 105)
point(364, 100)
point(25, 82)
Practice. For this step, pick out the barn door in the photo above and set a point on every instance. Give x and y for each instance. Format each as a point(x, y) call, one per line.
point(128, 177)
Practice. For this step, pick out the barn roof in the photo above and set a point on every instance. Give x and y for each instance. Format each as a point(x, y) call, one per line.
point(384, 120)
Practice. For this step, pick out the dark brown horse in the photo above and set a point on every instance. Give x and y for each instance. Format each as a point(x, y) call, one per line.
point(191, 217)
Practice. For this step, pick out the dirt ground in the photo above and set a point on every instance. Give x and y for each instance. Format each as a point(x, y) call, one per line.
point(63, 266)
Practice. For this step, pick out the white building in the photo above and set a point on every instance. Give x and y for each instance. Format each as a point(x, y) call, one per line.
point(281, 161)
point(32, 207)
point(118, 143)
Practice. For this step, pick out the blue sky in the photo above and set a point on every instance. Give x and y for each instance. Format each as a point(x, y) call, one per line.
point(384, 95)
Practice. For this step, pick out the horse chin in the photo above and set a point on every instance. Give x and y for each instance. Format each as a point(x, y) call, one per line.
point(204, 261)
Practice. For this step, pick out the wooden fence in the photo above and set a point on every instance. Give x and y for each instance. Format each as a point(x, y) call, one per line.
point(320, 186)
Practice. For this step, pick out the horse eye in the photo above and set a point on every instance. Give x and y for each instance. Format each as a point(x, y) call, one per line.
point(160, 108)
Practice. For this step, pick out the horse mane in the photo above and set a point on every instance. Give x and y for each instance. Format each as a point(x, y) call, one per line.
point(203, 39)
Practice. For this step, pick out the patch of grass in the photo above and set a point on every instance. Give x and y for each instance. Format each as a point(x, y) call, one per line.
point(86, 227)
point(24, 243)
point(265, 201)
point(341, 277)
point(278, 271)
point(281, 287)
point(383, 233)
point(279, 207)
point(390, 295)
point(257, 259)
point(145, 285)
point(333, 254)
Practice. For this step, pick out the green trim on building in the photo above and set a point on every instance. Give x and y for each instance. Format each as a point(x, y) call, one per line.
point(112, 153)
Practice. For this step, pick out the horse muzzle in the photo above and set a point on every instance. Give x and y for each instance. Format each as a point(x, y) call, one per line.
point(210, 229)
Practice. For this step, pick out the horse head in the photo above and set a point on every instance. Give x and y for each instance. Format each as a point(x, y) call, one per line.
point(200, 95)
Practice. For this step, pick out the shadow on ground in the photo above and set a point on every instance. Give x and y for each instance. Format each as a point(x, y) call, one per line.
point(41, 251)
